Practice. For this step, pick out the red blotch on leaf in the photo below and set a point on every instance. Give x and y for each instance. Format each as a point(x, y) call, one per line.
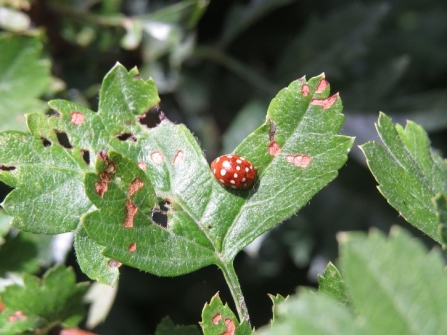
point(157, 157)
point(299, 160)
point(305, 90)
point(217, 318)
point(77, 118)
point(179, 157)
point(131, 210)
point(325, 103)
point(322, 85)
point(142, 166)
point(132, 247)
point(274, 149)
point(17, 315)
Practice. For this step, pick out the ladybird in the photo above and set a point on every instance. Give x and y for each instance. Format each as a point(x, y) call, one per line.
point(233, 171)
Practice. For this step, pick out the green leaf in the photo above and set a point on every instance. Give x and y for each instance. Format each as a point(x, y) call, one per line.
point(307, 122)
point(395, 287)
point(47, 167)
point(218, 319)
point(19, 254)
point(332, 284)
point(408, 173)
point(167, 327)
point(39, 304)
point(312, 313)
point(276, 300)
point(24, 76)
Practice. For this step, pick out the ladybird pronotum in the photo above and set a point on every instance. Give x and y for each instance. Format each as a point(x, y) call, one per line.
point(233, 171)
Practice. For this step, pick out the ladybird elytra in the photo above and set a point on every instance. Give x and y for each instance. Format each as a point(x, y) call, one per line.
point(233, 171)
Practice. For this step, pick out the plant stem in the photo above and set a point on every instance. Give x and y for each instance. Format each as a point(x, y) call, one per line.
point(235, 289)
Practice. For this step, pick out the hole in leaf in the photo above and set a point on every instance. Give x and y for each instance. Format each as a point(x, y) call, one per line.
point(46, 143)
point(160, 215)
point(151, 118)
point(126, 136)
point(63, 139)
point(85, 156)
point(7, 168)
point(53, 112)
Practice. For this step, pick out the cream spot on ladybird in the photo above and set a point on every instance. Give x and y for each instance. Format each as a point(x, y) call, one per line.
point(218, 159)
point(238, 161)
point(232, 181)
point(222, 181)
point(230, 156)
point(235, 175)
point(242, 158)
point(226, 165)
point(214, 171)
point(238, 167)
point(223, 172)
point(247, 169)
point(244, 179)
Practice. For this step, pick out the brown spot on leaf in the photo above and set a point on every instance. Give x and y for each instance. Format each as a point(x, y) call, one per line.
point(322, 85)
point(136, 185)
point(113, 263)
point(102, 185)
point(274, 149)
point(111, 168)
point(132, 247)
point(7, 167)
point(217, 318)
point(126, 136)
point(131, 211)
point(77, 118)
point(142, 166)
point(157, 157)
point(104, 156)
point(17, 315)
point(272, 130)
point(325, 103)
point(299, 160)
point(179, 157)
point(305, 90)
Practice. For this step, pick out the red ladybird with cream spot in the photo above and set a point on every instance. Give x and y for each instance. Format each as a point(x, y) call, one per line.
point(233, 171)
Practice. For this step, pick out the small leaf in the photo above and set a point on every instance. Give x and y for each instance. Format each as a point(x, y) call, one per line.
point(101, 298)
point(312, 313)
point(394, 285)
point(19, 254)
point(332, 284)
point(409, 175)
point(167, 327)
point(276, 300)
point(23, 78)
point(56, 299)
point(218, 319)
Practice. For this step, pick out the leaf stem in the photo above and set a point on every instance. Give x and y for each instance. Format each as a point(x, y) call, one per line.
point(235, 289)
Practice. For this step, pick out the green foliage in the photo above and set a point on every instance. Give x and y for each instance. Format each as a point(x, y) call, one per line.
point(408, 173)
point(167, 327)
point(218, 318)
point(332, 284)
point(385, 290)
point(24, 77)
point(39, 305)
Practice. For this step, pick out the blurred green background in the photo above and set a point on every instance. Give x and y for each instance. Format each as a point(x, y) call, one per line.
point(217, 65)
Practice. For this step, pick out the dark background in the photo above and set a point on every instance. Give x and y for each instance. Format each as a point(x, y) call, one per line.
point(388, 56)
